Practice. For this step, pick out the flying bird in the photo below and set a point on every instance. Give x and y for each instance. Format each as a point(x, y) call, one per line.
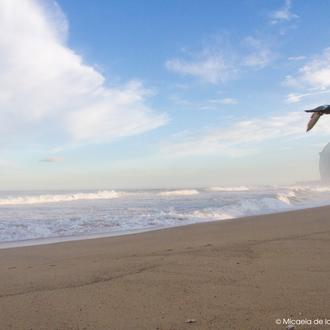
point(316, 114)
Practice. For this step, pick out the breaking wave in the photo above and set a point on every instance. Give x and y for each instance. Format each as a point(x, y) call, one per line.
point(317, 189)
point(246, 207)
point(55, 198)
point(239, 188)
point(183, 192)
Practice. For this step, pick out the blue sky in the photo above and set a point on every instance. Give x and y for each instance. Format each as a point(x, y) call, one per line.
point(138, 94)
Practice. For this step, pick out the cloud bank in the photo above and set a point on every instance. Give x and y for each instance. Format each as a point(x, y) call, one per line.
point(240, 139)
point(45, 86)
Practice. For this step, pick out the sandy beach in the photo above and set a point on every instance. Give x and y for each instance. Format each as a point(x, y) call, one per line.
point(235, 274)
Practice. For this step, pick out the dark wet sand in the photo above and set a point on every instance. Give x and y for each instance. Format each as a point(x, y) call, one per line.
point(237, 274)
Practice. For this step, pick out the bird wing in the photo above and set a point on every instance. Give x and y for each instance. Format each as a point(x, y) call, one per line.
point(321, 108)
point(314, 118)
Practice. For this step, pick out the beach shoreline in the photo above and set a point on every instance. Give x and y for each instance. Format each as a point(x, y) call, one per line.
point(231, 274)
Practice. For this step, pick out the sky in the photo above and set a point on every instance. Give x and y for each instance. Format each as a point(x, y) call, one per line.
point(127, 94)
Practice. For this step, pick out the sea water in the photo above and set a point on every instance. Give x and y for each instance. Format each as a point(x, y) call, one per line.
point(37, 217)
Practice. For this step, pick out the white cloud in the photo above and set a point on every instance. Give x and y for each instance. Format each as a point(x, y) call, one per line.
point(226, 100)
point(295, 98)
point(212, 68)
point(240, 139)
point(260, 53)
point(45, 83)
point(52, 159)
point(284, 14)
point(312, 79)
point(297, 58)
point(316, 73)
point(221, 62)
point(208, 104)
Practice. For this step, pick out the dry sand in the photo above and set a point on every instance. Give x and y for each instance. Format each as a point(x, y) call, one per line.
point(237, 274)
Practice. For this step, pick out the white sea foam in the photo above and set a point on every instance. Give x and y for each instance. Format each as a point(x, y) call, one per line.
point(182, 192)
point(238, 188)
point(56, 198)
point(286, 198)
point(311, 188)
point(248, 206)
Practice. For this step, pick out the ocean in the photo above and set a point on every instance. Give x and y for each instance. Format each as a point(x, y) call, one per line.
point(28, 218)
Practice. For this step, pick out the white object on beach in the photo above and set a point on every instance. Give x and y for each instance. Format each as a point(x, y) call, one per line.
point(190, 321)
